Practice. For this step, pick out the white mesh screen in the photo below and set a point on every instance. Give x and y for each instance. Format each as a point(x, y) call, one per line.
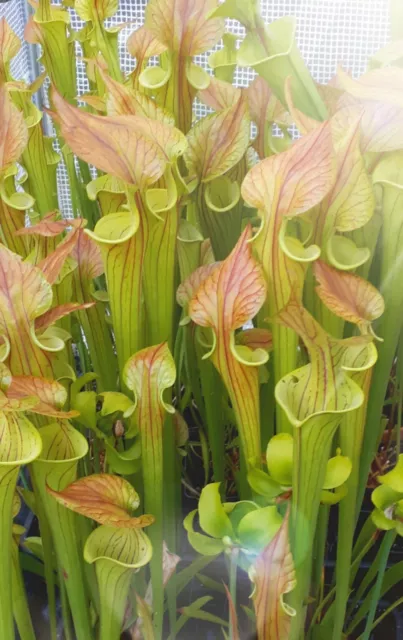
point(330, 32)
point(14, 13)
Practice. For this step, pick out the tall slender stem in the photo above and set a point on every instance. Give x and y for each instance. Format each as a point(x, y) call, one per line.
point(285, 343)
point(233, 567)
point(171, 507)
point(159, 276)
point(323, 605)
point(386, 546)
point(344, 554)
point(19, 444)
point(20, 605)
point(65, 608)
point(311, 442)
point(320, 551)
point(400, 387)
point(48, 548)
point(63, 446)
point(213, 392)
point(389, 325)
point(8, 479)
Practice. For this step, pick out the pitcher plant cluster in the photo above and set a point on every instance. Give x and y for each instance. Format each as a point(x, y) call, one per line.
point(227, 294)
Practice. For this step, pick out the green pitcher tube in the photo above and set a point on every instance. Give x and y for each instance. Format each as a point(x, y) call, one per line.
point(19, 444)
point(63, 446)
point(116, 553)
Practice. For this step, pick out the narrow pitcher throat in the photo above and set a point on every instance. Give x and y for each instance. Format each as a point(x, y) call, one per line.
point(231, 367)
point(311, 392)
point(324, 387)
point(267, 237)
point(222, 356)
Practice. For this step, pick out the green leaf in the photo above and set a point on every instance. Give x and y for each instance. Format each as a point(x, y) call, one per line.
point(381, 521)
point(34, 545)
point(31, 564)
point(145, 615)
point(250, 613)
point(209, 583)
point(394, 479)
point(258, 527)
point(334, 497)
point(205, 545)
point(114, 401)
point(80, 383)
point(366, 534)
point(238, 510)
point(86, 402)
point(100, 295)
point(392, 577)
point(245, 12)
point(393, 607)
point(279, 458)
point(182, 578)
point(202, 544)
point(384, 496)
point(197, 604)
point(28, 497)
point(273, 53)
point(126, 462)
point(262, 484)
point(212, 516)
point(198, 614)
point(338, 471)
